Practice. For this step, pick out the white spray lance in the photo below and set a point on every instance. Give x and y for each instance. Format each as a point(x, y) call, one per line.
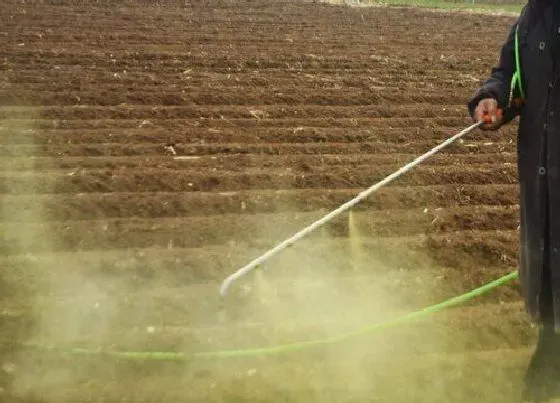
point(290, 241)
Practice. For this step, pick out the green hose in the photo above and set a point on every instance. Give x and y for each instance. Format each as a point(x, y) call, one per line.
point(294, 346)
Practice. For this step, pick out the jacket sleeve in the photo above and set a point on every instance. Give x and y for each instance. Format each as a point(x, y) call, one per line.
point(499, 84)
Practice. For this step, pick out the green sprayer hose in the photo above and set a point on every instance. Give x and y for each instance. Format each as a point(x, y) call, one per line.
point(293, 346)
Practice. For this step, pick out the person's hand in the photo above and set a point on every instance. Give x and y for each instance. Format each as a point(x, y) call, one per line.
point(487, 111)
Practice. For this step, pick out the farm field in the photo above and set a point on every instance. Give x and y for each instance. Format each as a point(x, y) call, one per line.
point(150, 150)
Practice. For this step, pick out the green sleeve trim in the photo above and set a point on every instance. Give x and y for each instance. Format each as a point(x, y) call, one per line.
point(516, 79)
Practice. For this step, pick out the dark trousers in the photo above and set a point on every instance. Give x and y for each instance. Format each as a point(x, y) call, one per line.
point(542, 380)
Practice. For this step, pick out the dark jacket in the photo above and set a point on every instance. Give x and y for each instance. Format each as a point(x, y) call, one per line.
point(538, 148)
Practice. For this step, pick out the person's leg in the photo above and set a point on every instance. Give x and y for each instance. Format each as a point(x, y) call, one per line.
point(539, 375)
point(542, 380)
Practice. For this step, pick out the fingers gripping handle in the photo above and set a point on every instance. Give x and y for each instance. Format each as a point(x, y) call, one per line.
point(491, 119)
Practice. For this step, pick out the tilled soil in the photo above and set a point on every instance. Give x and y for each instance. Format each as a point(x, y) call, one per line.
point(149, 149)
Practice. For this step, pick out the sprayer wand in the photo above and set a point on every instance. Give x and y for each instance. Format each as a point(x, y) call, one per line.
point(290, 241)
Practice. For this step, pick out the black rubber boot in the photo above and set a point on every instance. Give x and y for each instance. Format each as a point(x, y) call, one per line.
point(542, 380)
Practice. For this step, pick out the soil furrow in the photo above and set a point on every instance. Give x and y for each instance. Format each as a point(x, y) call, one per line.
point(216, 149)
point(248, 162)
point(107, 181)
point(12, 135)
point(199, 231)
point(59, 207)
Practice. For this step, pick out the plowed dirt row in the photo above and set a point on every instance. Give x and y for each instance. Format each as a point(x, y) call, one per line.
point(277, 112)
point(456, 373)
point(355, 54)
point(120, 69)
point(294, 87)
point(172, 96)
point(186, 150)
point(131, 232)
point(302, 134)
point(372, 77)
point(239, 162)
point(58, 207)
point(286, 36)
point(151, 148)
point(356, 122)
point(461, 250)
point(184, 299)
point(191, 181)
point(227, 135)
point(231, 332)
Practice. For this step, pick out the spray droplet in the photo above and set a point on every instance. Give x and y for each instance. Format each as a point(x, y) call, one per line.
point(150, 329)
point(251, 372)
